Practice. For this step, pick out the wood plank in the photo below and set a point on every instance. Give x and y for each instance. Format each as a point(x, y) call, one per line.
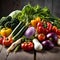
point(3, 54)
point(1, 47)
point(21, 55)
point(32, 2)
point(53, 54)
point(56, 7)
point(48, 3)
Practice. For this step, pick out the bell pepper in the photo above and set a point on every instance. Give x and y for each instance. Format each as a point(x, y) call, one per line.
point(27, 46)
point(5, 31)
point(34, 22)
point(7, 42)
point(48, 27)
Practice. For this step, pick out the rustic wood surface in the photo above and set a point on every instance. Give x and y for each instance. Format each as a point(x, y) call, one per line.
point(53, 54)
point(7, 6)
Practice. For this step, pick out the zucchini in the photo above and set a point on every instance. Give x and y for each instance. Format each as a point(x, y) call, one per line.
point(20, 33)
point(15, 31)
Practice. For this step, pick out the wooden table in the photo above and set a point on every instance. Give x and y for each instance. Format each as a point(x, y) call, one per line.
point(53, 54)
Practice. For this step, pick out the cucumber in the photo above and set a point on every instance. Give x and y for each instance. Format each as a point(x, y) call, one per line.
point(20, 33)
point(15, 31)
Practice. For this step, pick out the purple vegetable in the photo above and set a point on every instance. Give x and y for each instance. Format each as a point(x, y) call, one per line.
point(30, 32)
point(50, 35)
point(53, 36)
point(47, 44)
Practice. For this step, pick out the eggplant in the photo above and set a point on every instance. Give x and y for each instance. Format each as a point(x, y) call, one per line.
point(47, 44)
point(53, 36)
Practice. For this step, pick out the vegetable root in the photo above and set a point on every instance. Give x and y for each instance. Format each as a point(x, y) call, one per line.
point(14, 45)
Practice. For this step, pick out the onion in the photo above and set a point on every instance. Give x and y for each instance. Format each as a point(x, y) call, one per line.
point(30, 32)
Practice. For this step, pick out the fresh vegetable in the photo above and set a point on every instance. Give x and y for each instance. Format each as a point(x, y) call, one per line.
point(47, 44)
point(58, 32)
point(27, 46)
point(12, 24)
point(40, 29)
point(4, 20)
point(58, 42)
point(41, 37)
point(1, 39)
point(14, 13)
point(54, 29)
point(37, 45)
point(17, 48)
point(16, 30)
point(53, 36)
point(30, 32)
point(13, 45)
point(50, 35)
point(5, 31)
point(7, 42)
point(49, 27)
point(20, 33)
point(39, 24)
point(34, 22)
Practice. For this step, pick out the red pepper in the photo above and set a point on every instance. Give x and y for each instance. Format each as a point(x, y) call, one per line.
point(27, 46)
point(7, 42)
point(49, 27)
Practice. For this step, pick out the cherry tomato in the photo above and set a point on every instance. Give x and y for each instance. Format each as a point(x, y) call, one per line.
point(41, 37)
point(7, 42)
point(1, 39)
point(27, 46)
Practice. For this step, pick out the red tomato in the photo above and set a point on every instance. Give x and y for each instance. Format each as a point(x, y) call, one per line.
point(41, 37)
point(39, 24)
point(40, 29)
point(27, 46)
point(1, 39)
point(7, 42)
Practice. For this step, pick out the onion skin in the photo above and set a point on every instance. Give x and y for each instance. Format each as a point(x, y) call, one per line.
point(30, 32)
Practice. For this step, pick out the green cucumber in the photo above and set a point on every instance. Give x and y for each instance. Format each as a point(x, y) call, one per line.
point(15, 31)
point(20, 33)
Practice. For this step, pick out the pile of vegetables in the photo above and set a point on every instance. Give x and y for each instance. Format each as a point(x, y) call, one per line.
point(32, 28)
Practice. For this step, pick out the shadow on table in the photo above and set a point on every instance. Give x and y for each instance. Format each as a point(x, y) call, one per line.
point(54, 50)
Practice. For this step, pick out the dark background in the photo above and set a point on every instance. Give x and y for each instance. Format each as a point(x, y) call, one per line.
point(6, 7)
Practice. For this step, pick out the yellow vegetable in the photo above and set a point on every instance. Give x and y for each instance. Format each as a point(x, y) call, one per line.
point(34, 22)
point(5, 31)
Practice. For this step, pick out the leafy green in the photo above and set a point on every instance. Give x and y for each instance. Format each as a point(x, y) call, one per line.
point(30, 12)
